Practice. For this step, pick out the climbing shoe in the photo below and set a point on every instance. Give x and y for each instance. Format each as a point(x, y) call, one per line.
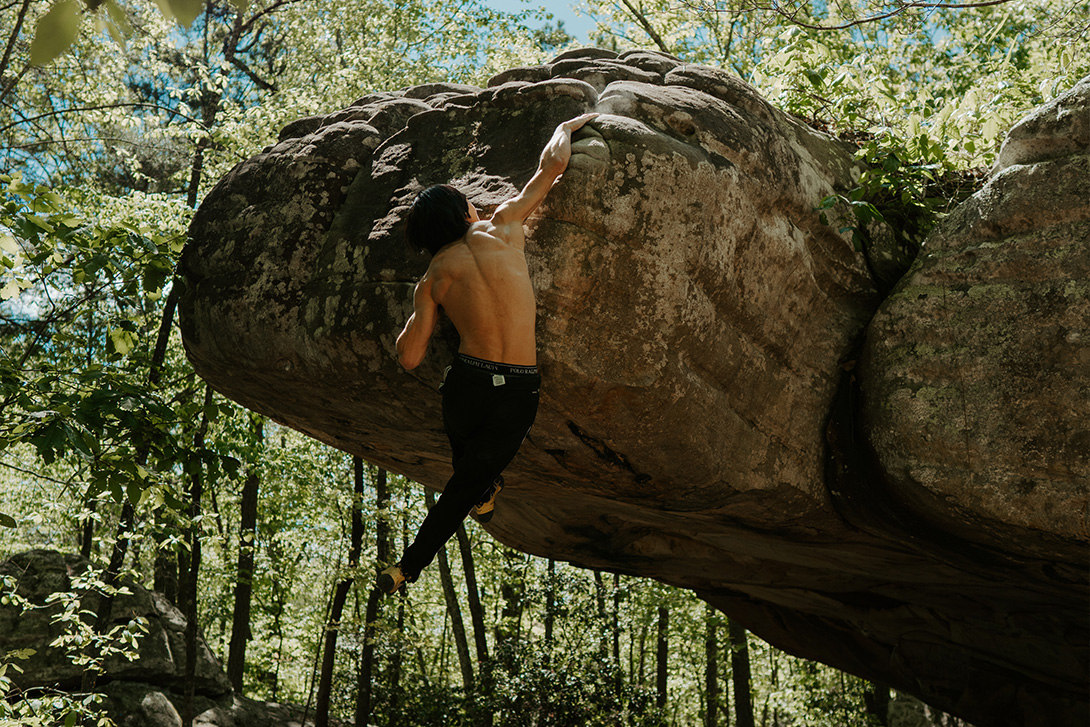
point(487, 506)
point(391, 579)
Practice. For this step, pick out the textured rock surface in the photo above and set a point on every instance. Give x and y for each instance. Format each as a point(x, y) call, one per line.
point(145, 692)
point(161, 651)
point(695, 325)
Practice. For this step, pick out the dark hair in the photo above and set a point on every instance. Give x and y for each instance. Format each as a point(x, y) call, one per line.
point(438, 217)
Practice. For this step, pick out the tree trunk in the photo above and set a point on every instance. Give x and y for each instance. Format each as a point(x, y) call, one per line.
point(240, 625)
point(166, 569)
point(340, 595)
point(125, 525)
point(8, 80)
point(876, 699)
point(461, 643)
point(476, 614)
point(476, 611)
point(365, 679)
point(395, 661)
point(87, 533)
point(739, 660)
point(711, 669)
point(395, 670)
point(603, 618)
point(661, 654)
point(643, 654)
point(188, 593)
point(550, 607)
point(510, 625)
point(618, 681)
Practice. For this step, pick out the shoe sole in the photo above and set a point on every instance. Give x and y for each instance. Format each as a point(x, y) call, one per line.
point(487, 510)
point(386, 583)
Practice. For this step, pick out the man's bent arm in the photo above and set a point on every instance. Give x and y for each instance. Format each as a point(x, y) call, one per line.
point(554, 160)
point(412, 344)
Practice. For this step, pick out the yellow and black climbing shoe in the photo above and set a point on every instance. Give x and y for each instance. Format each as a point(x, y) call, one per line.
point(391, 579)
point(487, 506)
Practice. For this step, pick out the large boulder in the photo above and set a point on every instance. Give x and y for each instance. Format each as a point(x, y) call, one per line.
point(702, 421)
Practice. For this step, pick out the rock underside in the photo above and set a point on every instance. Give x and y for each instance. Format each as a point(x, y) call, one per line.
point(893, 484)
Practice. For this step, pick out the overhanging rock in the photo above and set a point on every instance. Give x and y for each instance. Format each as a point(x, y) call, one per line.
point(701, 419)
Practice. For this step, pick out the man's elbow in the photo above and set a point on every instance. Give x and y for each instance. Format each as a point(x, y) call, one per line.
point(409, 360)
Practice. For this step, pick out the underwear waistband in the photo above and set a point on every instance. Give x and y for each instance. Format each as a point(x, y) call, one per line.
point(494, 367)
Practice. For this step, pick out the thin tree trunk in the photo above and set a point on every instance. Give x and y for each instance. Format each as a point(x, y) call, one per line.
point(461, 643)
point(87, 532)
point(10, 79)
point(240, 624)
point(661, 657)
point(476, 615)
point(395, 670)
point(600, 598)
point(395, 660)
point(618, 681)
point(166, 570)
point(643, 653)
point(711, 669)
point(189, 593)
point(876, 699)
point(476, 611)
point(550, 607)
point(739, 660)
point(340, 595)
point(126, 522)
point(508, 629)
point(365, 678)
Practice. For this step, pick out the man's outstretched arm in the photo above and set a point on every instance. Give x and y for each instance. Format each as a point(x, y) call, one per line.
point(412, 343)
point(554, 160)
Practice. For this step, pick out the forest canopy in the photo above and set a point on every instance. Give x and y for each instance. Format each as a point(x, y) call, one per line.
point(117, 117)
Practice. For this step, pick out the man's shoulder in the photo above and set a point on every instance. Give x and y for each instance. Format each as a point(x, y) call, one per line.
point(487, 233)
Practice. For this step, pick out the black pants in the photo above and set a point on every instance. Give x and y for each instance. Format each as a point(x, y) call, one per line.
point(488, 409)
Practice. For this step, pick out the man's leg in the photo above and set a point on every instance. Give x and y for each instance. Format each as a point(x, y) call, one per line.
point(485, 454)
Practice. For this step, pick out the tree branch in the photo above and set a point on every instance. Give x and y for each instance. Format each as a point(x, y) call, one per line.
point(646, 25)
point(60, 112)
point(13, 37)
point(265, 11)
point(261, 82)
point(792, 16)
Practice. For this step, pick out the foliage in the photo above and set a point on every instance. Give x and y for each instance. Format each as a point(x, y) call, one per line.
point(82, 644)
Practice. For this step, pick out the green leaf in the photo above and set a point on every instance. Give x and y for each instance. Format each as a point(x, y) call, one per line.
point(7, 521)
point(56, 31)
point(12, 288)
point(40, 223)
point(186, 11)
point(154, 277)
point(891, 163)
point(49, 440)
point(122, 341)
point(70, 720)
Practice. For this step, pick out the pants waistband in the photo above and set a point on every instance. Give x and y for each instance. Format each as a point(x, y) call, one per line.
point(494, 367)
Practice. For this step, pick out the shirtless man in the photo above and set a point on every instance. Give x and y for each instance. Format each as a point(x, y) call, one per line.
point(478, 275)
